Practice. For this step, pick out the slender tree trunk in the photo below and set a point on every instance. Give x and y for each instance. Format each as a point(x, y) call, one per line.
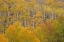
point(17, 16)
point(33, 23)
point(0, 17)
point(8, 14)
point(3, 31)
point(52, 15)
point(25, 23)
point(55, 16)
point(33, 20)
point(21, 23)
point(44, 16)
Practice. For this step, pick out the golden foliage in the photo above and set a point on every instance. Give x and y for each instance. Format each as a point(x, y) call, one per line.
point(27, 36)
point(16, 33)
point(3, 39)
point(31, 14)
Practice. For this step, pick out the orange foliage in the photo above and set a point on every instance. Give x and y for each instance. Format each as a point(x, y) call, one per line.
point(3, 39)
point(49, 26)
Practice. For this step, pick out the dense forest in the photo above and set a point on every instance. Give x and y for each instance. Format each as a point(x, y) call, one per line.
point(31, 21)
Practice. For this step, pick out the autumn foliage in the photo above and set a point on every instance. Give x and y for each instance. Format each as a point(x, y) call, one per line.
point(3, 39)
point(31, 21)
point(17, 33)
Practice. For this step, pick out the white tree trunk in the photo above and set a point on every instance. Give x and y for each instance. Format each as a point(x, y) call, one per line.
point(44, 15)
point(55, 16)
point(8, 14)
point(52, 15)
point(25, 23)
point(17, 16)
point(33, 23)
